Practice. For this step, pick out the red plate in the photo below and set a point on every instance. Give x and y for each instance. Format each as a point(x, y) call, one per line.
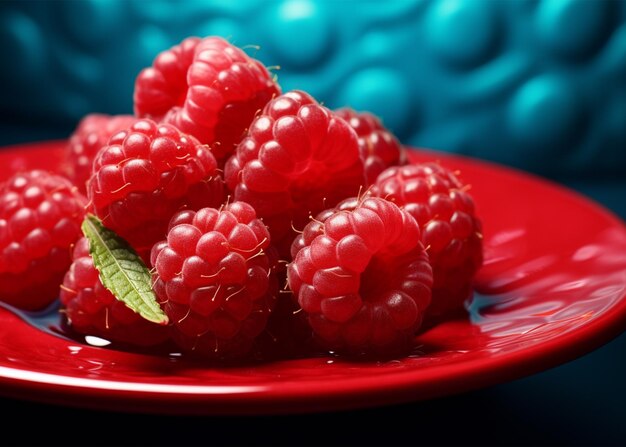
point(553, 287)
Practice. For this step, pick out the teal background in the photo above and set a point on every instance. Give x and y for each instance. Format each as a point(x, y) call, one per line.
point(538, 85)
point(535, 84)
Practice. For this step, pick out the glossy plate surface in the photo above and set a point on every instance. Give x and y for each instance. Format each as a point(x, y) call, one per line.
point(553, 287)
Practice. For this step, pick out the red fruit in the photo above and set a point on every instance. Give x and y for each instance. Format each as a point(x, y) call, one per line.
point(92, 310)
point(40, 217)
point(379, 148)
point(451, 232)
point(214, 280)
point(146, 174)
point(297, 159)
point(207, 88)
point(93, 132)
point(362, 277)
point(288, 334)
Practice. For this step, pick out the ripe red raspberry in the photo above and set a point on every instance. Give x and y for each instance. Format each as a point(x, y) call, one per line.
point(145, 175)
point(379, 148)
point(214, 280)
point(362, 277)
point(40, 217)
point(208, 88)
point(451, 232)
point(297, 159)
point(288, 334)
point(92, 310)
point(93, 132)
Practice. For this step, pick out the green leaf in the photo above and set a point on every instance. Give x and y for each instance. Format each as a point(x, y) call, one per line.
point(122, 271)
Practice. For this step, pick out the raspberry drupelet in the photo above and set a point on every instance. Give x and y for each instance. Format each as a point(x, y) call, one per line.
point(379, 148)
point(207, 88)
point(40, 217)
point(146, 174)
point(91, 309)
point(297, 159)
point(361, 275)
point(91, 134)
point(451, 231)
point(214, 280)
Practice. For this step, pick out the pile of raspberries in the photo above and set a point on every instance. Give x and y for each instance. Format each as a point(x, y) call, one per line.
point(266, 219)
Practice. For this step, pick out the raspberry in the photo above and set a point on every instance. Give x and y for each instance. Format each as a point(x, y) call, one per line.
point(40, 217)
point(92, 133)
point(213, 279)
point(208, 88)
point(288, 334)
point(379, 148)
point(451, 232)
point(92, 310)
point(145, 175)
point(297, 159)
point(362, 276)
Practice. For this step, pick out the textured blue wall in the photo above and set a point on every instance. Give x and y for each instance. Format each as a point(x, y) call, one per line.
point(536, 84)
